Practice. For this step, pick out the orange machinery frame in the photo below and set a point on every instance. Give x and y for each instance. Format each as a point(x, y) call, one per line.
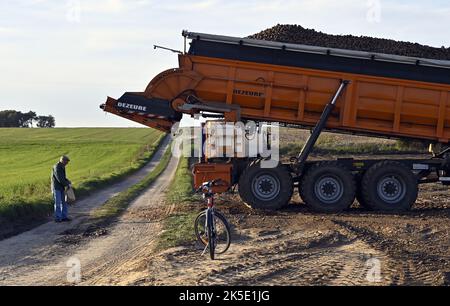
point(242, 90)
point(370, 105)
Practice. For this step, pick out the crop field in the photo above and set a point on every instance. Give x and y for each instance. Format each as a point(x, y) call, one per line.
point(99, 156)
point(292, 140)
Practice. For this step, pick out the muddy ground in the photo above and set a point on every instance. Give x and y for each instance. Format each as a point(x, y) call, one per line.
point(296, 247)
point(288, 247)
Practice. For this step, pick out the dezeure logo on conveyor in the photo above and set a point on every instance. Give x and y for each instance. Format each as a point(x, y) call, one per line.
point(248, 93)
point(132, 106)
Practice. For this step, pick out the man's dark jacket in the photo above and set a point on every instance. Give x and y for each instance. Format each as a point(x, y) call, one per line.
point(59, 179)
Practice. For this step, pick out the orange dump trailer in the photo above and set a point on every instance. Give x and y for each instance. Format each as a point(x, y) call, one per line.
point(307, 86)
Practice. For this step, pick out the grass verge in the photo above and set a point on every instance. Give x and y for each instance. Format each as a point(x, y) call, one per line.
point(100, 158)
point(179, 227)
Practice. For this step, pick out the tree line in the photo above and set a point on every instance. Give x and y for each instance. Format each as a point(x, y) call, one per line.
point(12, 118)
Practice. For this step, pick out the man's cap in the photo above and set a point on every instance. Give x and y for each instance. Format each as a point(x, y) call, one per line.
point(65, 158)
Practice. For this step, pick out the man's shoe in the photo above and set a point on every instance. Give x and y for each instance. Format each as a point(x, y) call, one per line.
point(58, 221)
point(66, 220)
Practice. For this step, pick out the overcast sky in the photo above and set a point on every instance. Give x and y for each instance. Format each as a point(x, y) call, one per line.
point(65, 57)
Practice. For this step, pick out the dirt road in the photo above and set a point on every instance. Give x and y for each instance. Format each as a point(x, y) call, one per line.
point(288, 247)
point(43, 255)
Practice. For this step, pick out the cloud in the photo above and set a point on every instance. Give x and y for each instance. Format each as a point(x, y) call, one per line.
point(187, 7)
point(8, 31)
point(112, 6)
point(117, 39)
point(296, 6)
point(110, 51)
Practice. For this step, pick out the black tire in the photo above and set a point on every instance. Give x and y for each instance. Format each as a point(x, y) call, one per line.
point(389, 186)
point(243, 182)
point(266, 188)
point(300, 192)
point(201, 234)
point(328, 187)
point(359, 196)
point(360, 199)
point(211, 234)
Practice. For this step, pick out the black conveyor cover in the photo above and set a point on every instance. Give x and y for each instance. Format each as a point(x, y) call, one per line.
point(153, 106)
point(320, 61)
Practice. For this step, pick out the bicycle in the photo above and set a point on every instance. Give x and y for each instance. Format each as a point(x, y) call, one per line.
point(211, 227)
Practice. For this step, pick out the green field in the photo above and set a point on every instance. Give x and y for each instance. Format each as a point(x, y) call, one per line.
point(99, 156)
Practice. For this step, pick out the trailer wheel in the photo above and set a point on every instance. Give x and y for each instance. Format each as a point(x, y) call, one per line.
point(300, 192)
point(266, 188)
point(389, 186)
point(360, 199)
point(328, 187)
point(359, 196)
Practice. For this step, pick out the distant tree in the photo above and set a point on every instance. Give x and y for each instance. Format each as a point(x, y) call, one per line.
point(27, 119)
point(12, 118)
point(45, 121)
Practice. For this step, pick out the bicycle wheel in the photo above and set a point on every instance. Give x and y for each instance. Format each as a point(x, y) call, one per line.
point(211, 233)
point(223, 232)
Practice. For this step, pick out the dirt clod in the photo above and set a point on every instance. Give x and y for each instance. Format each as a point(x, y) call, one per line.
point(298, 35)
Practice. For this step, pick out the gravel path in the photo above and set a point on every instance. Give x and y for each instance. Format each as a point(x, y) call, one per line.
point(41, 255)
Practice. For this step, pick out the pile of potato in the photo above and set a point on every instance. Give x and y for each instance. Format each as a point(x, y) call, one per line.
point(298, 35)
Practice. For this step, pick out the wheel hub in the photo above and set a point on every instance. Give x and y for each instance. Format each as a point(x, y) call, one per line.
point(328, 189)
point(391, 189)
point(266, 187)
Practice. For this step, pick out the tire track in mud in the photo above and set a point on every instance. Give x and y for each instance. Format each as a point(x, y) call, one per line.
point(286, 258)
point(324, 265)
point(131, 238)
point(408, 267)
point(295, 247)
point(288, 248)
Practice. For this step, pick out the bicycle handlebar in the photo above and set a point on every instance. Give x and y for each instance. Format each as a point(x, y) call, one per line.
point(217, 182)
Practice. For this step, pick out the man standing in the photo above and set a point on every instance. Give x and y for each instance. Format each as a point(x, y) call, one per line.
point(59, 183)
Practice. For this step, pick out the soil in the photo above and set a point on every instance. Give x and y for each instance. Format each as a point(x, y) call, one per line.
point(292, 246)
point(296, 34)
point(296, 247)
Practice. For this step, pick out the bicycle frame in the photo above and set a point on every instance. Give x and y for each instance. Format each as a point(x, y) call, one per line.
point(210, 201)
point(209, 196)
point(210, 221)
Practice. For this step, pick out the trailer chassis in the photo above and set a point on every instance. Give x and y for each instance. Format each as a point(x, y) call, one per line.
point(378, 184)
